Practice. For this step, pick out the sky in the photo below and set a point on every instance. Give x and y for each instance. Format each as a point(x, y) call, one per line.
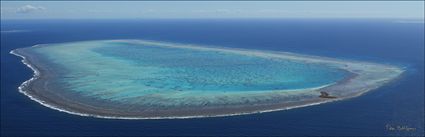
point(210, 9)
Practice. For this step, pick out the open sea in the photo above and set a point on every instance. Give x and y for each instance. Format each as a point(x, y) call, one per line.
point(388, 41)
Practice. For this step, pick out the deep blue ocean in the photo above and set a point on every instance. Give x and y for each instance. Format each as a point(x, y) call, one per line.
point(400, 103)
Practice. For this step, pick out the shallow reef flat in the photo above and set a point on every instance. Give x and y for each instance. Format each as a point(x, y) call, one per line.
point(140, 79)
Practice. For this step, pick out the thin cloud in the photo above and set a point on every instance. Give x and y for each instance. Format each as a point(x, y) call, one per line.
point(410, 21)
point(29, 9)
point(14, 31)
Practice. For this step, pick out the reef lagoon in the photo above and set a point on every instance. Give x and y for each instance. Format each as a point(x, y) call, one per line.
point(141, 79)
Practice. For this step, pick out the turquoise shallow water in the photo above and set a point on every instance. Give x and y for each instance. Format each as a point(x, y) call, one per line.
point(187, 69)
point(151, 75)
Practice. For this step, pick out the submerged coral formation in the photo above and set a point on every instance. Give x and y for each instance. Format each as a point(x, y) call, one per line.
point(147, 79)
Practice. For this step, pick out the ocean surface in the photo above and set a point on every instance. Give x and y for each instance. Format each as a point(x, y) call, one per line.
point(388, 41)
